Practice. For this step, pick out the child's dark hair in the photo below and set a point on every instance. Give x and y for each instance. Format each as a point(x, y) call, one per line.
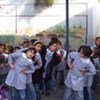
point(33, 40)
point(37, 42)
point(56, 40)
point(79, 49)
point(52, 42)
point(30, 49)
point(97, 38)
point(86, 50)
point(17, 47)
point(10, 48)
point(96, 52)
point(1, 44)
point(2, 59)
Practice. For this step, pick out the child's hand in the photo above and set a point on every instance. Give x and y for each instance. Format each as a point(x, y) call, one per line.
point(83, 72)
point(1, 65)
point(24, 71)
point(12, 66)
point(70, 66)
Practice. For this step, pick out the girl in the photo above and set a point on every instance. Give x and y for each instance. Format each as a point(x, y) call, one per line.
point(37, 76)
point(80, 67)
point(21, 66)
point(59, 68)
point(97, 42)
point(51, 60)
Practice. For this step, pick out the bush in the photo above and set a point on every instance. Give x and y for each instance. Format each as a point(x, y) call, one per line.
point(45, 3)
point(48, 3)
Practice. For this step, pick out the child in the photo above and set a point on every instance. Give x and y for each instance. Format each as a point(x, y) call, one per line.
point(37, 76)
point(2, 48)
point(3, 63)
point(2, 72)
point(51, 60)
point(21, 66)
point(4, 69)
point(59, 68)
point(80, 66)
point(96, 61)
point(97, 42)
point(62, 65)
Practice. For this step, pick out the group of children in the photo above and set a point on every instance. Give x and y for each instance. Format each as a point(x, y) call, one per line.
point(84, 72)
point(28, 68)
point(31, 69)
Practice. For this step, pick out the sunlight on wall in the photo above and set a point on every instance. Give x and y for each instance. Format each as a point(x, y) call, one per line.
point(26, 24)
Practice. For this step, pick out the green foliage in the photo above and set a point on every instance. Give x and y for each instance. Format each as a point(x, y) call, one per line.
point(7, 39)
point(48, 3)
point(45, 3)
point(59, 30)
point(74, 27)
point(80, 26)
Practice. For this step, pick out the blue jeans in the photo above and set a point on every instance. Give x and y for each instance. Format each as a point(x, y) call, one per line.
point(53, 82)
point(30, 92)
point(61, 73)
point(18, 94)
point(73, 95)
point(47, 85)
point(54, 77)
point(37, 89)
point(41, 84)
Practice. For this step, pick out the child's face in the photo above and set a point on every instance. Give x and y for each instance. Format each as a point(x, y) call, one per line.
point(98, 42)
point(26, 44)
point(53, 47)
point(30, 54)
point(59, 46)
point(2, 49)
point(82, 54)
point(15, 50)
point(38, 47)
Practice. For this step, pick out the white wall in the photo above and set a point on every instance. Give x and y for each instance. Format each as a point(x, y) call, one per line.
point(96, 20)
point(93, 14)
point(40, 21)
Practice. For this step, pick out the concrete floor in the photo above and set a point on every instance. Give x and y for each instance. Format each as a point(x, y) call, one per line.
point(58, 94)
point(55, 95)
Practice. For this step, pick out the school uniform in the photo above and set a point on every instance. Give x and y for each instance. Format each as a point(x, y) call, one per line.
point(59, 68)
point(88, 81)
point(15, 78)
point(75, 79)
point(37, 75)
point(30, 89)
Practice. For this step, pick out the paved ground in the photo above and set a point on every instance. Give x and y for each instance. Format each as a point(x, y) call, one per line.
point(58, 94)
point(55, 95)
point(97, 93)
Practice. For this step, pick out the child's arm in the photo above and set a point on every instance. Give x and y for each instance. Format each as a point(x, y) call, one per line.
point(70, 60)
point(11, 59)
point(90, 70)
point(38, 63)
point(30, 70)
